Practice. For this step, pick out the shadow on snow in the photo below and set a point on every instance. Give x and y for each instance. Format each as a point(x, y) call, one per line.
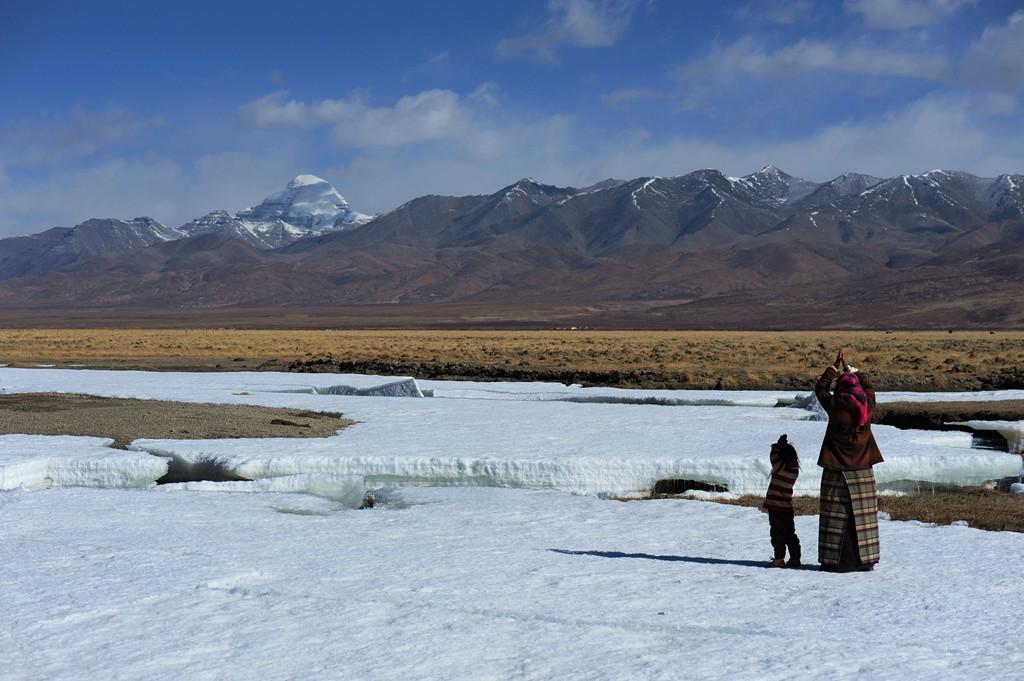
point(676, 559)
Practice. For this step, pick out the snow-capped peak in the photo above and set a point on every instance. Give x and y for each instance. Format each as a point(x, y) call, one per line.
point(305, 181)
point(770, 170)
point(772, 185)
point(307, 205)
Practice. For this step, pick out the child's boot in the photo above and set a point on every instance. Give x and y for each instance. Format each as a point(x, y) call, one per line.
point(794, 551)
point(777, 562)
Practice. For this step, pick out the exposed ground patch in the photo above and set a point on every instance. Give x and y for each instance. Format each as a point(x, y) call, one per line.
point(981, 508)
point(935, 415)
point(125, 420)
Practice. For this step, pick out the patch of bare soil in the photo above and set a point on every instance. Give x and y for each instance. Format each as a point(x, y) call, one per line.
point(981, 508)
point(934, 415)
point(125, 420)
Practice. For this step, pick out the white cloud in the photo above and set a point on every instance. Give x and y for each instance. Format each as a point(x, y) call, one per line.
point(428, 115)
point(996, 58)
point(748, 56)
point(784, 12)
point(79, 133)
point(951, 132)
point(574, 23)
point(487, 94)
point(901, 14)
point(972, 132)
point(494, 156)
point(629, 94)
point(169, 191)
point(121, 188)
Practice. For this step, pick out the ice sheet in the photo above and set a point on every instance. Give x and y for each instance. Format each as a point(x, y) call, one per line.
point(515, 438)
point(41, 461)
point(406, 387)
point(1013, 431)
point(602, 449)
point(261, 387)
point(482, 583)
point(347, 490)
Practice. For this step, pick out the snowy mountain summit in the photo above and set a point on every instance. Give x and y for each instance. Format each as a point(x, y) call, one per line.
point(771, 185)
point(308, 205)
point(308, 202)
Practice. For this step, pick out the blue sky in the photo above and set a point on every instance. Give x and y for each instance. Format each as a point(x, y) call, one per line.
point(173, 109)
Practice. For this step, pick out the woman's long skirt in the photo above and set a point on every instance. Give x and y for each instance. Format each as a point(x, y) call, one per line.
point(846, 496)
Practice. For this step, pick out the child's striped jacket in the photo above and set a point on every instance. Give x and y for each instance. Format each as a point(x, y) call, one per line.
point(780, 489)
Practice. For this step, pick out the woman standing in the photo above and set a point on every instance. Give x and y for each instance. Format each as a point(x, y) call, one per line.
point(848, 518)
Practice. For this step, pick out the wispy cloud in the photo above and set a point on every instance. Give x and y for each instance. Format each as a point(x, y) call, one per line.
point(630, 94)
point(995, 60)
point(79, 133)
point(775, 11)
point(165, 189)
point(965, 132)
point(428, 115)
point(902, 14)
point(962, 132)
point(997, 57)
point(574, 23)
point(356, 124)
point(748, 56)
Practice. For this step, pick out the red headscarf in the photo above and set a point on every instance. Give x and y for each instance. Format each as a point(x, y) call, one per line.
point(851, 393)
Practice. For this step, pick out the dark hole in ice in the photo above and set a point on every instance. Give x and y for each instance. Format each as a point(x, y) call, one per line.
point(679, 485)
point(980, 439)
point(989, 439)
point(210, 470)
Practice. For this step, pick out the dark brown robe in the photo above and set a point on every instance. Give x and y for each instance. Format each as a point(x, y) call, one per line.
point(847, 446)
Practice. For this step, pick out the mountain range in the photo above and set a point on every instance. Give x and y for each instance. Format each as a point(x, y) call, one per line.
point(937, 249)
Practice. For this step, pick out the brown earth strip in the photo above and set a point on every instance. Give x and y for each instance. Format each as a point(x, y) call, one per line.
point(125, 420)
point(934, 415)
point(981, 508)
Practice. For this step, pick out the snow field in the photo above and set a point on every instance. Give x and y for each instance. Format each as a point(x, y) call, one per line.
point(481, 584)
point(278, 578)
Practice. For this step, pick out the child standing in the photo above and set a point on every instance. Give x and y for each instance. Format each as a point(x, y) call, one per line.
point(778, 503)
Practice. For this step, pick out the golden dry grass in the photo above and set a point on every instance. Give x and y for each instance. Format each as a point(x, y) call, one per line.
point(981, 508)
point(911, 360)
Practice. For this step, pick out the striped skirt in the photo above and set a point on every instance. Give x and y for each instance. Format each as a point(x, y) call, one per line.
point(841, 492)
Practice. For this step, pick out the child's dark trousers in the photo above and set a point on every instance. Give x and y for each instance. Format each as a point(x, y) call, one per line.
point(784, 535)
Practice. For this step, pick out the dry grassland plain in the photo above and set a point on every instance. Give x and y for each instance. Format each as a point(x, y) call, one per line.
point(675, 359)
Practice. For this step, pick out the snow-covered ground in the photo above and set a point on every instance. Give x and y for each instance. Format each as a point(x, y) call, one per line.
point(280, 578)
point(480, 583)
point(538, 435)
